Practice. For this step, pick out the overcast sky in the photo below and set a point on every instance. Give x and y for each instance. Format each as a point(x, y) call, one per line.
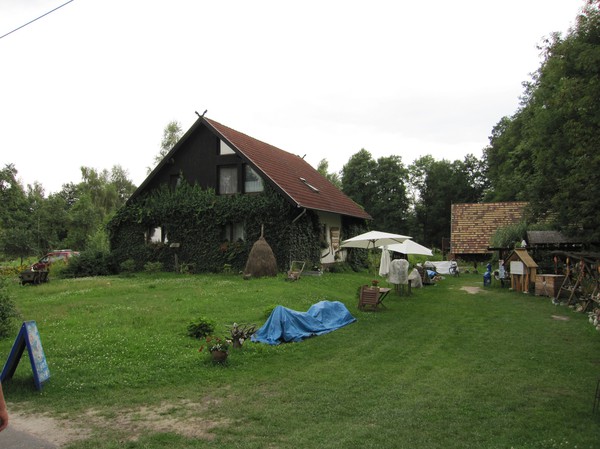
point(95, 83)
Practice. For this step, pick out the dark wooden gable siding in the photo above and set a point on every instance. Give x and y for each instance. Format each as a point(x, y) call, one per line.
point(197, 159)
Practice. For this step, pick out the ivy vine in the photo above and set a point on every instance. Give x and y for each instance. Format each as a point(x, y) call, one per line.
point(195, 218)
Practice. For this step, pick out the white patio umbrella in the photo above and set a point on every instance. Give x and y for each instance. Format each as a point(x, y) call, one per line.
point(373, 239)
point(410, 247)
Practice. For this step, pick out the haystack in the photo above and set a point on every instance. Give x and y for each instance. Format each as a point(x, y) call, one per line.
point(261, 260)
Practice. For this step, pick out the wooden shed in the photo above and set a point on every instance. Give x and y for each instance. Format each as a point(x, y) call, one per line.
point(522, 269)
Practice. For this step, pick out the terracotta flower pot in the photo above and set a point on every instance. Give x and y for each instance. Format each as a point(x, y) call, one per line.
point(219, 356)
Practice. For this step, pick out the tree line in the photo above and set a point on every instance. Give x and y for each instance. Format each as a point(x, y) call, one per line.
point(412, 200)
point(546, 153)
point(76, 217)
point(32, 223)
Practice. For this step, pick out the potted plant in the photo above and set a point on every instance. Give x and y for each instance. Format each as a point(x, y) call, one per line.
point(374, 283)
point(218, 348)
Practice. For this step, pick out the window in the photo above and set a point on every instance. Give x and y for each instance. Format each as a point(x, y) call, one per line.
point(156, 235)
point(232, 232)
point(175, 181)
point(225, 149)
point(252, 182)
point(228, 180)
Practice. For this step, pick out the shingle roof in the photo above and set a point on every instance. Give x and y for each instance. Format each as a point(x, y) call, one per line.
point(548, 238)
point(291, 174)
point(521, 253)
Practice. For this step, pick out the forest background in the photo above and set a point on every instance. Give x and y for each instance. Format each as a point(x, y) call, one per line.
point(546, 153)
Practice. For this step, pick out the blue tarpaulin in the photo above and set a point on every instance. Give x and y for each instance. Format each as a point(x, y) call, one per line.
point(285, 325)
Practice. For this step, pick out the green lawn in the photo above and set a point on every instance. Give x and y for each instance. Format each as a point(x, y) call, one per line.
point(443, 368)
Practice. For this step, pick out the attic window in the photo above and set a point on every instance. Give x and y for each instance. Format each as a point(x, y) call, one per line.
point(225, 149)
point(252, 181)
point(310, 186)
point(228, 179)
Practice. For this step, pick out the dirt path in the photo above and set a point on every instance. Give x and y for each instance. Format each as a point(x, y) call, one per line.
point(184, 418)
point(472, 290)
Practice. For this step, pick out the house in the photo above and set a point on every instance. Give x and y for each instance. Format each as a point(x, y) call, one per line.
point(474, 224)
point(236, 169)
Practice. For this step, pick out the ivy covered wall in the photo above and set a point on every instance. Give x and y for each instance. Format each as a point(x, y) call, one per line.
point(195, 218)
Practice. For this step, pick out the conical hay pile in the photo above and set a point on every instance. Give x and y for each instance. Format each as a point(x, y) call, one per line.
point(261, 260)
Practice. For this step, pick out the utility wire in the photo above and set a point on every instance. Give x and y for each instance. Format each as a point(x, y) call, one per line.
point(37, 18)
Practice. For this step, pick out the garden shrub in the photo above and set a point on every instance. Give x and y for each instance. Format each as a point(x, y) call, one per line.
point(340, 267)
point(57, 269)
point(201, 328)
point(12, 270)
point(127, 266)
point(90, 263)
point(153, 267)
point(357, 258)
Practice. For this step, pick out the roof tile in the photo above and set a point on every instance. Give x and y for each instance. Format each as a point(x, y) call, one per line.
point(293, 175)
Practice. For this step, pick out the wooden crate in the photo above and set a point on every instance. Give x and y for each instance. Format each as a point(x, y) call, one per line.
point(548, 284)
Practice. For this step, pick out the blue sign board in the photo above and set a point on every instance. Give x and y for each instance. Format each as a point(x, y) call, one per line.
point(29, 338)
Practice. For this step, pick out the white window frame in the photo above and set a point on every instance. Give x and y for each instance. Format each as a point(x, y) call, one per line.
point(230, 187)
point(225, 149)
point(252, 185)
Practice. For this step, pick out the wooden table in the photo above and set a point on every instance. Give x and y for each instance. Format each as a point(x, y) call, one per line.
point(383, 292)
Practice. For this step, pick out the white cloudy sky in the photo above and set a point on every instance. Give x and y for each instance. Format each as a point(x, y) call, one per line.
point(95, 83)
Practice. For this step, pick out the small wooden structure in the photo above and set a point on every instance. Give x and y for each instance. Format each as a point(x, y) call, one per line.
point(548, 284)
point(523, 270)
point(296, 269)
point(582, 279)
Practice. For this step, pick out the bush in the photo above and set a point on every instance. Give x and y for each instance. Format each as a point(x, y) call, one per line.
point(8, 310)
point(90, 263)
point(12, 270)
point(57, 269)
point(340, 267)
point(128, 266)
point(153, 267)
point(201, 328)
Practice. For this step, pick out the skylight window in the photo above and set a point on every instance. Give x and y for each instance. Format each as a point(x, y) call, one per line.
point(310, 186)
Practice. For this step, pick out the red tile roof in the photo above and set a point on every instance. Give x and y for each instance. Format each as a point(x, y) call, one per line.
point(291, 174)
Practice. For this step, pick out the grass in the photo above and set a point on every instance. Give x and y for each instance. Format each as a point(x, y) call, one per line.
point(440, 369)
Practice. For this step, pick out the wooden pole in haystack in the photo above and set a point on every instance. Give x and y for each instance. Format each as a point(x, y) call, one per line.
point(261, 260)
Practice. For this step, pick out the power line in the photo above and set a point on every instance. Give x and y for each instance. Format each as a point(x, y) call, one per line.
point(37, 18)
